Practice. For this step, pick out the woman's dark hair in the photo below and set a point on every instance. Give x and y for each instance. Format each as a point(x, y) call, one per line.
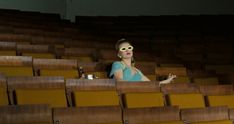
point(123, 40)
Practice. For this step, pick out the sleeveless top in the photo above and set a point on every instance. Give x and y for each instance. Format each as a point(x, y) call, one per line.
point(127, 72)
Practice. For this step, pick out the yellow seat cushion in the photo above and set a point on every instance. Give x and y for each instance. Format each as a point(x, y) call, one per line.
point(187, 100)
point(183, 79)
point(59, 46)
point(53, 97)
point(3, 96)
point(8, 53)
point(65, 73)
point(79, 58)
point(221, 100)
point(100, 74)
point(141, 100)
point(96, 98)
point(16, 71)
point(215, 122)
point(151, 77)
point(206, 81)
point(40, 55)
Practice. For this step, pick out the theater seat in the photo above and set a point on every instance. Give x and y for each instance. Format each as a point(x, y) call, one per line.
point(143, 99)
point(98, 92)
point(81, 54)
point(58, 72)
point(53, 97)
point(151, 77)
point(215, 122)
point(221, 100)
point(37, 90)
point(208, 115)
point(140, 94)
point(206, 81)
point(79, 59)
point(56, 67)
point(219, 95)
point(187, 100)
point(96, 98)
point(40, 55)
point(36, 51)
point(8, 53)
point(3, 91)
point(26, 114)
point(184, 95)
point(163, 72)
point(152, 115)
point(96, 68)
point(88, 115)
point(7, 48)
point(16, 65)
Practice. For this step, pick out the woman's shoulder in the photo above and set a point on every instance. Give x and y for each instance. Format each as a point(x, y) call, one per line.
point(117, 64)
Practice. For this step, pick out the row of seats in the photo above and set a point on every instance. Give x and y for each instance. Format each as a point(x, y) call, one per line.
point(26, 66)
point(42, 114)
point(92, 55)
point(96, 102)
point(59, 92)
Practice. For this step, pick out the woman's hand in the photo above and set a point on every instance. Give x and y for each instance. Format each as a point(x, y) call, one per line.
point(170, 78)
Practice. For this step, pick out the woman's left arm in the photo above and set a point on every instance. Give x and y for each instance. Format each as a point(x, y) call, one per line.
point(168, 80)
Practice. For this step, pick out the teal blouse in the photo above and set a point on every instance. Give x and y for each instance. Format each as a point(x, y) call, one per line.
point(127, 72)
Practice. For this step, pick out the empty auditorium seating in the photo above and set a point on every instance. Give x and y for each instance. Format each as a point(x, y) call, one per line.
point(164, 71)
point(219, 95)
point(143, 56)
point(79, 53)
point(209, 115)
point(184, 95)
point(98, 92)
point(182, 79)
point(231, 114)
point(8, 48)
point(181, 73)
point(220, 69)
point(36, 51)
point(107, 54)
point(152, 115)
point(198, 49)
point(147, 68)
point(98, 69)
point(16, 65)
point(3, 90)
point(88, 115)
point(37, 90)
point(56, 67)
point(18, 38)
point(140, 94)
point(26, 114)
point(206, 81)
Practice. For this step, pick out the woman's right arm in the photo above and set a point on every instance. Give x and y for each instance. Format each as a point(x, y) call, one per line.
point(118, 75)
point(117, 71)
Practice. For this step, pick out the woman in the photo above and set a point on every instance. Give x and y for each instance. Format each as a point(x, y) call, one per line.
point(125, 70)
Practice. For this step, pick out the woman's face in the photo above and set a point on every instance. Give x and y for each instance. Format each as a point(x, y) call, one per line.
point(125, 50)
